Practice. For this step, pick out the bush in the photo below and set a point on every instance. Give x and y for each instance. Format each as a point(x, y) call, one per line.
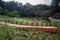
point(55, 23)
point(37, 24)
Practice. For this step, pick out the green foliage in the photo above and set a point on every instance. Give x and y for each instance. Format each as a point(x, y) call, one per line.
point(55, 23)
point(9, 13)
point(14, 14)
point(55, 7)
point(17, 34)
point(1, 10)
point(23, 21)
point(15, 9)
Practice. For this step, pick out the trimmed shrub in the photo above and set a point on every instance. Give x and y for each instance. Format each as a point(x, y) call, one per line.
point(41, 24)
point(26, 23)
point(37, 24)
point(16, 22)
point(20, 23)
point(32, 23)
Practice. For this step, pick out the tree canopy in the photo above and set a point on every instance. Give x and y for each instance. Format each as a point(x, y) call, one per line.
point(11, 8)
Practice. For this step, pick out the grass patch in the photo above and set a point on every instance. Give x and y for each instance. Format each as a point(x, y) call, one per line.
point(55, 23)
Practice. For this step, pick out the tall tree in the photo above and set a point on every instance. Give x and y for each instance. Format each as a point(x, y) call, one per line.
point(1, 3)
point(55, 7)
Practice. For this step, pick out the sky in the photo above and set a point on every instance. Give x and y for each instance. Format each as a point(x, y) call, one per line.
point(33, 2)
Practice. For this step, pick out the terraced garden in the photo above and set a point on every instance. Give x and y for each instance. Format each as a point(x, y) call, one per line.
point(12, 33)
point(24, 21)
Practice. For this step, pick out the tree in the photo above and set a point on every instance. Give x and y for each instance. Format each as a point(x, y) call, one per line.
point(55, 7)
point(1, 3)
point(5, 12)
point(27, 10)
point(11, 6)
point(1, 10)
point(14, 14)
